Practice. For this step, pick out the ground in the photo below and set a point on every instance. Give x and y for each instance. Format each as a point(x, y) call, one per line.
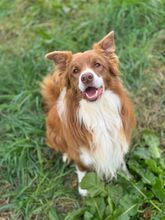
point(34, 183)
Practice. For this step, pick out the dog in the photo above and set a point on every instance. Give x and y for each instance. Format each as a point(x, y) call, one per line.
point(90, 117)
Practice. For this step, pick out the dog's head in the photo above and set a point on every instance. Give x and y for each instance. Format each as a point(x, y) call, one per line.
point(89, 73)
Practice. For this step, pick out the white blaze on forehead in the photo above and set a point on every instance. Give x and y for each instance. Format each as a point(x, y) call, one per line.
point(97, 81)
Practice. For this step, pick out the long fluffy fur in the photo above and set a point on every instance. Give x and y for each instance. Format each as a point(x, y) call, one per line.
point(94, 135)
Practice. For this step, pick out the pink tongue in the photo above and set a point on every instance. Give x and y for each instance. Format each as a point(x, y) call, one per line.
point(90, 91)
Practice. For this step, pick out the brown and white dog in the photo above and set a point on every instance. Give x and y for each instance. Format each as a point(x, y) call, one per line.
point(89, 115)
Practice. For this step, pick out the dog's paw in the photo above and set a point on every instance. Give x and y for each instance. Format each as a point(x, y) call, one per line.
point(82, 192)
point(65, 158)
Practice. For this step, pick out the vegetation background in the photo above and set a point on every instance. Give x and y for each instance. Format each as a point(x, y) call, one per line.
point(34, 183)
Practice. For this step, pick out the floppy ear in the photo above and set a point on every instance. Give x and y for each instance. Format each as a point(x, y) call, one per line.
point(107, 44)
point(61, 58)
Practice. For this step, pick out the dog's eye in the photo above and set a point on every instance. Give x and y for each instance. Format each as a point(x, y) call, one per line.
point(97, 65)
point(75, 70)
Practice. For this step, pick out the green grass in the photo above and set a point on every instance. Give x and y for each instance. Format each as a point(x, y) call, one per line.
point(34, 183)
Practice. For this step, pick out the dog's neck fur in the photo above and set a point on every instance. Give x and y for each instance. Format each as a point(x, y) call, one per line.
point(102, 119)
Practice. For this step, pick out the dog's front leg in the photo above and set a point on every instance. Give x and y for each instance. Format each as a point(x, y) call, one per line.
point(80, 175)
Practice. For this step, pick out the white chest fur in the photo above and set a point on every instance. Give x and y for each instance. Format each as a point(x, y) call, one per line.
point(102, 119)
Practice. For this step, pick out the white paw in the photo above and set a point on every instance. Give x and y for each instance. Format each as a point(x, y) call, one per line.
point(65, 158)
point(82, 192)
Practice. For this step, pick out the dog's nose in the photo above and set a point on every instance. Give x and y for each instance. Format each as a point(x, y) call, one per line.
point(87, 78)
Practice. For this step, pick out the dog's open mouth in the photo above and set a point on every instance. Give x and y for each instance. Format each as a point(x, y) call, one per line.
point(92, 93)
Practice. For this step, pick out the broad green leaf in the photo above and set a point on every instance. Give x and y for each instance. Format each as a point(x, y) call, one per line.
point(153, 166)
point(89, 204)
point(100, 206)
point(110, 206)
point(75, 215)
point(93, 184)
point(162, 162)
point(150, 138)
point(159, 190)
point(129, 205)
point(88, 216)
point(123, 217)
point(154, 151)
point(146, 175)
point(141, 153)
point(115, 192)
point(96, 206)
point(153, 142)
point(117, 212)
point(118, 215)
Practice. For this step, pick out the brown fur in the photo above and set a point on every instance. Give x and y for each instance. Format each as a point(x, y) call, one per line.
point(68, 136)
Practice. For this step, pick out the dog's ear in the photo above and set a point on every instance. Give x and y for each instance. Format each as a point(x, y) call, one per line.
point(61, 58)
point(107, 44)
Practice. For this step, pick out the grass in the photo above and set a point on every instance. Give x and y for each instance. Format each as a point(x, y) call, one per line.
point(34, 183)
